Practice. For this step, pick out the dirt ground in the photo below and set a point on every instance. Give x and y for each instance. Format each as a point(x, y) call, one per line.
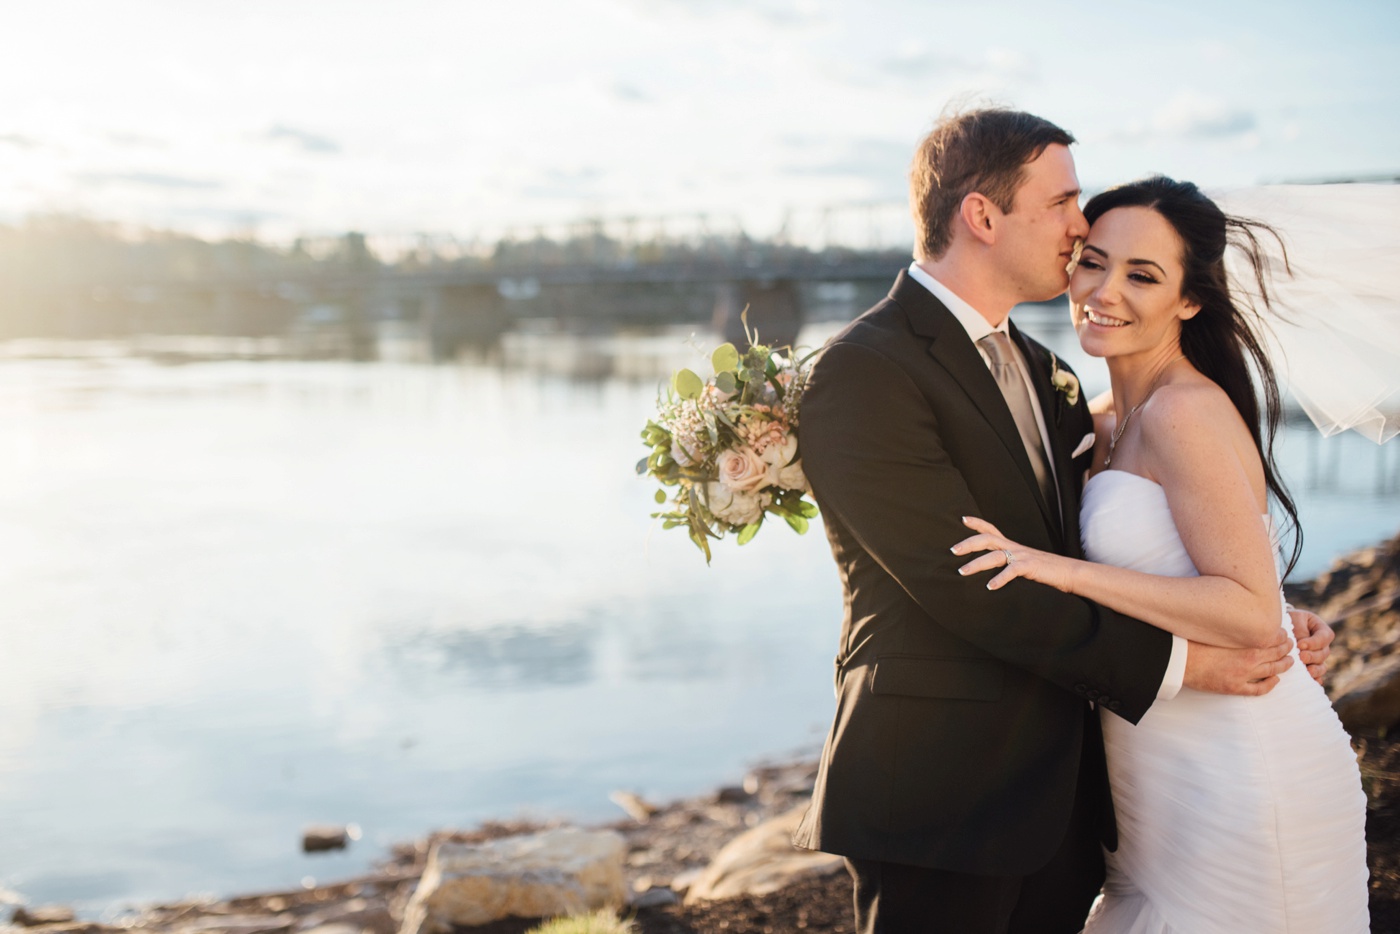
point(823, 906)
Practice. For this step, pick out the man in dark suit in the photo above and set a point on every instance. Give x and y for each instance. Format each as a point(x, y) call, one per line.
point(963, 778)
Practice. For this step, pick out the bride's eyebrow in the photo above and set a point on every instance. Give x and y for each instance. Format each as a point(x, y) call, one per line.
point(1090, 248)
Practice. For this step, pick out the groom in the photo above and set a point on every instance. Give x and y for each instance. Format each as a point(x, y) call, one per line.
point(963, 778)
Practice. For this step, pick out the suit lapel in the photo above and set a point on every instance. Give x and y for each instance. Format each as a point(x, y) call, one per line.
point(950, 346)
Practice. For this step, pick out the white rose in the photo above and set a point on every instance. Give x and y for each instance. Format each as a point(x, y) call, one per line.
point(736, 507)
point(718, 496)
point(791, 477)
point(741, 469)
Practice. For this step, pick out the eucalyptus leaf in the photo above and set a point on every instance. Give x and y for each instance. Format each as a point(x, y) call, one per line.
point(688, 384)
point(725, 381)
point(747, 533)
point(798, 523)
point(725, 357)
point(660, 497)
point(699, 539)
point(642, 466)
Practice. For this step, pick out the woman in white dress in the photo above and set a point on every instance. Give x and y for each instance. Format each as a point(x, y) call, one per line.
point(1235, 814)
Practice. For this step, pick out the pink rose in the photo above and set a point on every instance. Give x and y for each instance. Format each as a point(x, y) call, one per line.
point(741, 469)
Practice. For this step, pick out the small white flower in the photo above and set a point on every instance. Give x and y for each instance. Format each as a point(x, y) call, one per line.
point(681, 454)
point(1063, 380)
point(1074, 259)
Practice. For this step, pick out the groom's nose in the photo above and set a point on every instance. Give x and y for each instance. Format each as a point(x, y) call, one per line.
point(1078, 224)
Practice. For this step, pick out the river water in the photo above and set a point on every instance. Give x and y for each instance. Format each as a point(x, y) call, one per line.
point(241, 596)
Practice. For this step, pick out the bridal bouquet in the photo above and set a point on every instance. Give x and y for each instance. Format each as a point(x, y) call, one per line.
point(727, 446)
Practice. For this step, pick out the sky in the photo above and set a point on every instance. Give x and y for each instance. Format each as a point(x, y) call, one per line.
point(277, 118)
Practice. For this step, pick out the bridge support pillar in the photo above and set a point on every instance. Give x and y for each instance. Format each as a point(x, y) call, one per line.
point(465, 315)
point(775, 311)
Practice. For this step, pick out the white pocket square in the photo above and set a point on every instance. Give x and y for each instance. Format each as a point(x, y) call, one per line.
point(1086, 443)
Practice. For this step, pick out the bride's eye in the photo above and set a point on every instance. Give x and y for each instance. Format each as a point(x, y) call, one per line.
point(1088, 262)
point(1143, 277)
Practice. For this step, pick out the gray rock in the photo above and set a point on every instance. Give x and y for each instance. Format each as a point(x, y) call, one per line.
point(239, 924)
point(636, 807)
point(760, 861)
point(358, 913)
point(46, 914)
point(323, 837)
point(555, 872)
point(732, 794)
point(656, 898)
point(682, 881)
point(1371, 699)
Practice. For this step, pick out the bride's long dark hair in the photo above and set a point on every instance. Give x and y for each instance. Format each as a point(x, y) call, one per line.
point(1221, 340)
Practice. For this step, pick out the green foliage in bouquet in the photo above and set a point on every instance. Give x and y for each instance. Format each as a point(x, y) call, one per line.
point(728, 446)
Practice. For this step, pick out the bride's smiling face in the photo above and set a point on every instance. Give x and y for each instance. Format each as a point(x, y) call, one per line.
point(1125, 294)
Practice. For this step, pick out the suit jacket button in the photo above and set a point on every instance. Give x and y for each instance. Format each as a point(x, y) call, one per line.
point(1093, 695)
point(1113, 705)
point(1081, 689)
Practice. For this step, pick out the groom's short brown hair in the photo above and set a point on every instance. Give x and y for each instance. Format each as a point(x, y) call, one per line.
point(979, 150)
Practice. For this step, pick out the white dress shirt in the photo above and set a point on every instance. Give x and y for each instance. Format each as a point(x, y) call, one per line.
point(978, 327)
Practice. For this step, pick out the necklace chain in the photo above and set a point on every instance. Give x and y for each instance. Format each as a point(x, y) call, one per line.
point(1117, 433)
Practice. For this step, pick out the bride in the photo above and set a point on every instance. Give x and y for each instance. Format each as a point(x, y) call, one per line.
point(1234, 813)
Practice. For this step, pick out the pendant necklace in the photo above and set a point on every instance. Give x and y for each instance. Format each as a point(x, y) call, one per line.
point(1122, 426)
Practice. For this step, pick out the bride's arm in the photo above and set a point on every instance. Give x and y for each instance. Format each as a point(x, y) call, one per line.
point(1189, 435)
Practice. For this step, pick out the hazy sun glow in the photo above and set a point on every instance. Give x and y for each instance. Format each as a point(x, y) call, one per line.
point(439, 115)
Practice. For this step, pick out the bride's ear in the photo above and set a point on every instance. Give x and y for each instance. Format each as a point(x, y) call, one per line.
point(978, 215)
point(1189, 309)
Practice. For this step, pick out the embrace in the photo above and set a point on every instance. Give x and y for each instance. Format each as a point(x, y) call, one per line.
point(1068, 704)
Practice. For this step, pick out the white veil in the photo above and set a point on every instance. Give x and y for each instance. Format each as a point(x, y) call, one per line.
point(1334, 334)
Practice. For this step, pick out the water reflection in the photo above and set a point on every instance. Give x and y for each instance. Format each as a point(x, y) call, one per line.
point(242, 594)
point(514, 656)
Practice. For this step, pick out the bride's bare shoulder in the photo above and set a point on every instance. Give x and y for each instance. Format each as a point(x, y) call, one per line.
point(1193, 422)
point(1191, 404)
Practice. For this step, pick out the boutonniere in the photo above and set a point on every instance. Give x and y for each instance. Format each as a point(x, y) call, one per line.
point(1065, 382)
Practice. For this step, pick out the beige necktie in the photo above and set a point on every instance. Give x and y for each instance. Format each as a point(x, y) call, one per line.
point(997, 347)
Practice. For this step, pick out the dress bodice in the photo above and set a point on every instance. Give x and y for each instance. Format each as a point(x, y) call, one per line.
point(1125, 521)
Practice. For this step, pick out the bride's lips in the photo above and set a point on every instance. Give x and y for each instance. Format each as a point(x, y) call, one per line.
point(1099, 319)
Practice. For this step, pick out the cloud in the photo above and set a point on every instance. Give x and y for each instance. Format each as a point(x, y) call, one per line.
point(882, 165)
point(308, 141)
point(1194, 117)
point(630, 93)
point(565, 183)
point(785, 14)
point(995, 68)
point(868, 157)
point(1190, 116)
point(18, 141)
point(149, 180)
point(137, 141)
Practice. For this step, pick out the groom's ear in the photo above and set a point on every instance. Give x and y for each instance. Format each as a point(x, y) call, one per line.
point(978, 215)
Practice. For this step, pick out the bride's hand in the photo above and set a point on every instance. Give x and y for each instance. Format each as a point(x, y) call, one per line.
point(1314, 639)
point(1015, 560)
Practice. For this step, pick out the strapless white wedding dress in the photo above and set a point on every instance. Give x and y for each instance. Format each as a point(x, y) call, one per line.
point(1235, 814)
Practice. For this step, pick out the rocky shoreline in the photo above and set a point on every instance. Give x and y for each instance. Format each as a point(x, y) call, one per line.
point(675, 884)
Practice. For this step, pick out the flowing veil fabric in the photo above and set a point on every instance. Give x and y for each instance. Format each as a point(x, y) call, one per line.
point(1334, 330)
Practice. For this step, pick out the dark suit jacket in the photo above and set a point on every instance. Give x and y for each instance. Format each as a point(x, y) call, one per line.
point(962, 717)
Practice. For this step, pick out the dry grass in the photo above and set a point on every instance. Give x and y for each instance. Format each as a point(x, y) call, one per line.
point(601, 922)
